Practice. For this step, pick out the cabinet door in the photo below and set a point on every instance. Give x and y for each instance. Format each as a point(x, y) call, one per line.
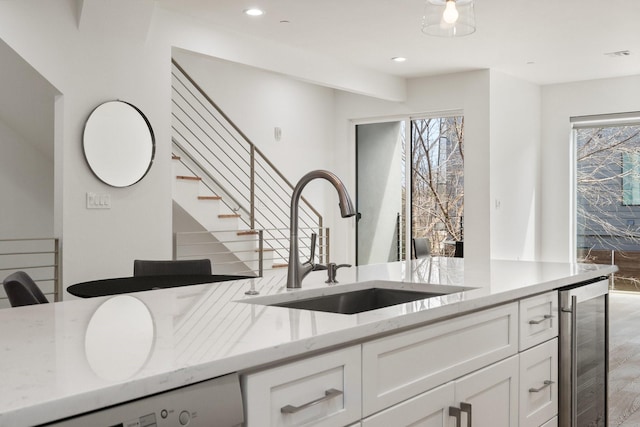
point(430, 409)
point(492, 393)
point(539, 384)
point(319, 391)
point(403, 365)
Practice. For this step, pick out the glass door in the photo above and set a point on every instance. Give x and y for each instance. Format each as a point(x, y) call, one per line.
point(608, 195)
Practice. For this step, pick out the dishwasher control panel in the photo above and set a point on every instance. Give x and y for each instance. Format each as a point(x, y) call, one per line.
point(216, 402)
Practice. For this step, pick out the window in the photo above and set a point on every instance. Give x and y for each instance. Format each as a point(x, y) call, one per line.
point(608, 194)
point(437, 160)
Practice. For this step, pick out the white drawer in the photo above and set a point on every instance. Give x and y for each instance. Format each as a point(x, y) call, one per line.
point(430, 409)
point(539, 384)
point(538, 319)
point(401, 366)
point(332, 380)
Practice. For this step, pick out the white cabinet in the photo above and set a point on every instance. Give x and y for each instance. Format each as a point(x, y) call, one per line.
point(492, 393)
point(400, 366)
point(551, 423)
point(539, 384)
point(538, 319)
point(318, 391)
point(430, 376)
point(489, 396)
point(430, 409)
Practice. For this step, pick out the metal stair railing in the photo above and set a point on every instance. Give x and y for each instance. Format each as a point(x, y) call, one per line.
point(250, 261)
point(235, 169)
point(38, 257)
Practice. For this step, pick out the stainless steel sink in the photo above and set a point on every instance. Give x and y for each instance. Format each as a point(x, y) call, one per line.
point(358, 301)
point(358, 297)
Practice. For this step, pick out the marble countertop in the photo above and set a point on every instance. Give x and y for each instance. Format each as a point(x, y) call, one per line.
point(58, 360)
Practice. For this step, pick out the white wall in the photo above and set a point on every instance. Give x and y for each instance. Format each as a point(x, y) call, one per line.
point(467, 92)
point(379, 195)
point(26, 187)
point(559, 104)
point(257, 101)
point(93, 51)
point(515, 168)
point(91, 65)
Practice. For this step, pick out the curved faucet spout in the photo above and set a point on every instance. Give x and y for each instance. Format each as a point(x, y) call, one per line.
point(296, 270)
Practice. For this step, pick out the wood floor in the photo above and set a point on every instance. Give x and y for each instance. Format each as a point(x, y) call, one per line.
point(624, 359)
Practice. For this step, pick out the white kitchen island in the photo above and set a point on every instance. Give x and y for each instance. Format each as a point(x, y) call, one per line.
point(59, 360)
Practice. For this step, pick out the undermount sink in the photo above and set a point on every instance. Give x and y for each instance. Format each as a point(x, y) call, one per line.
point(357, 297)
point(358, 301)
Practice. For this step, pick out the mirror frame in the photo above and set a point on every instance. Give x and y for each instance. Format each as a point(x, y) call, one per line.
point(99, 121)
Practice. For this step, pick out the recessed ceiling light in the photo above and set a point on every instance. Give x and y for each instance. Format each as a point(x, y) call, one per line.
point(253, 12)
point(398, 59)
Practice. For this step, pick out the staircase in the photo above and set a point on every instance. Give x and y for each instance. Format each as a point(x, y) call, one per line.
point(221, 178)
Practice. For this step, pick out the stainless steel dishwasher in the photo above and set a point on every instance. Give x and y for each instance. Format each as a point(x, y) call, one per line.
point(584, 359)
point(212, 403)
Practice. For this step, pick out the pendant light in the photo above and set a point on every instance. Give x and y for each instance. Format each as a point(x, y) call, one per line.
point(449, 18)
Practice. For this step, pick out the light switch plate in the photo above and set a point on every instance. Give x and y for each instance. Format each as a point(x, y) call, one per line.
point(98, 201)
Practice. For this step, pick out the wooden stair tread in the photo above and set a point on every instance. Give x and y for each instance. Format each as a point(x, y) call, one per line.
point(265, 250)
point(280, 265)
point(174, 157)
point(189, 178)
point(229, 216)
point(247, 233)
point(209, 198)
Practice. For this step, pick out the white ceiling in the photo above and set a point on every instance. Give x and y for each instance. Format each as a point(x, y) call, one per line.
point(542, 41)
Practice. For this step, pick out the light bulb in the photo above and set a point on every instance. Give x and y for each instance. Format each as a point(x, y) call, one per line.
point(450, 14)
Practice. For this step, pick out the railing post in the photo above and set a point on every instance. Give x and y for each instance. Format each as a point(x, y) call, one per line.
point(261, 253)
point(252, 188)
point(327, 246)
point(56, 270)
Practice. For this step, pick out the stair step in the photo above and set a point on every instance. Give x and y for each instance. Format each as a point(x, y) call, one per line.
point(229, 216)
point(280, 265)
point(265, 250)
point(189, 178)
point(174, 157)
point(209, 198)
point(247, 233)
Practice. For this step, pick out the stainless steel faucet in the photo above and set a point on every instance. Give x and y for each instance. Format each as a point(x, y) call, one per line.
point(296, 270)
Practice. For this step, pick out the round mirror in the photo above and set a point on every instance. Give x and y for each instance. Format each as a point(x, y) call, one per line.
point(118, 143)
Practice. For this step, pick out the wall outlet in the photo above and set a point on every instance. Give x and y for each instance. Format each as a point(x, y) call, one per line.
point(98, 201)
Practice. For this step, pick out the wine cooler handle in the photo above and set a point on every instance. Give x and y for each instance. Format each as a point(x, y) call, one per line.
point(574, 360)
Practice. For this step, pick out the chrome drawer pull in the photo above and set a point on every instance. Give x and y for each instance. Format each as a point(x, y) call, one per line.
point(537, 322)
point(547, 383)
point(328, 394)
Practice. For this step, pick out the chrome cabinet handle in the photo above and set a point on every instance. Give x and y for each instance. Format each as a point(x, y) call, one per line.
point(466, 407)
point(328, 395)
point(455, 412)
point(546, 383)
point(537, 322)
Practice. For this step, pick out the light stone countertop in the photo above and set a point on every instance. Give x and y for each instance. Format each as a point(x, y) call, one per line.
point(62, 359)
